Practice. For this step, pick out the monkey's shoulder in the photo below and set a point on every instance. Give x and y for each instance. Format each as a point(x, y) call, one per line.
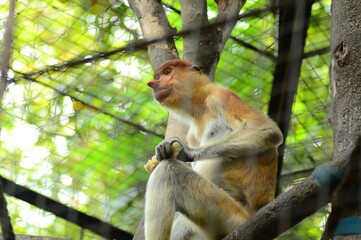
point(232, 114)
point(228, 102)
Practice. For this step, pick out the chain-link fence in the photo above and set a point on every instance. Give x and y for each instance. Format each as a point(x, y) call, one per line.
point(78, 121)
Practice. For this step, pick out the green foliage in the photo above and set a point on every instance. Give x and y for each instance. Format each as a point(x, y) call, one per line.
point(311, 228)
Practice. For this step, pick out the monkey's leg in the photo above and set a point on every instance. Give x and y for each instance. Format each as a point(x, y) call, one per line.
point(159, 204)
point(184, 229)
point(175, 187)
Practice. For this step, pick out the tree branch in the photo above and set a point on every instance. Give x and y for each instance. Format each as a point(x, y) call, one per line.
point(227, 12)
point(200, 47)
point(319, 51)
point(5, 221)
point(251, 47)
point(58, 209)
point(216, 37)
point(293, 23)
point(6, 49)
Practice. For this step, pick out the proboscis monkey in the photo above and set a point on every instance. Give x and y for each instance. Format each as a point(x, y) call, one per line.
point(232, 148)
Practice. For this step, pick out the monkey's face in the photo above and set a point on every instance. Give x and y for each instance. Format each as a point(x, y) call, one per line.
point(163, 86)
point(174, 82)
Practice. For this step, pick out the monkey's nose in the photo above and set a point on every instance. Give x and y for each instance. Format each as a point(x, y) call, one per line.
point(151, 84)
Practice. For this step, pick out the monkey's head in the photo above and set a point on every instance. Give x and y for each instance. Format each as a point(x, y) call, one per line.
point(176, 81)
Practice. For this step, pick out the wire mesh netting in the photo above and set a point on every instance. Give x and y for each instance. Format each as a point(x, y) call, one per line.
point(78, 121)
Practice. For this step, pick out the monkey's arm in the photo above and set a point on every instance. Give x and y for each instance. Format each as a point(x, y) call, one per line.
point(248, 141)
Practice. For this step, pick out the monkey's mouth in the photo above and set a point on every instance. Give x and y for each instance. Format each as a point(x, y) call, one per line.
point(161, 94)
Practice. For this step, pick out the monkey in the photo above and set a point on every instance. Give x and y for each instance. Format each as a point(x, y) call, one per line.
point(225, 171)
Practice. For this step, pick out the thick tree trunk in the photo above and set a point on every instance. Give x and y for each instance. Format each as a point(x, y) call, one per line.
point(346, 73)
point(155, 25)
point(346, 107)
point(204, 44)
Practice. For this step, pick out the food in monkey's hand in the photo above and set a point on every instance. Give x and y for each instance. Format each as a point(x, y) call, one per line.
point(153, 162)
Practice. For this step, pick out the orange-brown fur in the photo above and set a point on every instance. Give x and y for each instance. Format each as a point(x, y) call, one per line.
point(232, 145)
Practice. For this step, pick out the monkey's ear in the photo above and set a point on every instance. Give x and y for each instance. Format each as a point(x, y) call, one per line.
point(195, 68)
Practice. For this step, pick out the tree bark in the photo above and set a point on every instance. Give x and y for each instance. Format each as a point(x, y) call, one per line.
point(204, 45)
point(293, 22)
point(5, 221)
point(345, 73)
point(154, 24)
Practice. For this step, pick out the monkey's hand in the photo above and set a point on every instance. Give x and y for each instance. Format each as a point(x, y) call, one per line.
point(153, 162)
point(173, 148)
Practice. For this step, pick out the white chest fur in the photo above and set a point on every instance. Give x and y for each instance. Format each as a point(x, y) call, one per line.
point(208, 168)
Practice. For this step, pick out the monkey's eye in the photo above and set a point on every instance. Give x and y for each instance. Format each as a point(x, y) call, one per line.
point(167, 71)
point(195, 68)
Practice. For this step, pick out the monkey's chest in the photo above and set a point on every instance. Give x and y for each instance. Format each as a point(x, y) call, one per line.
point(209, 169)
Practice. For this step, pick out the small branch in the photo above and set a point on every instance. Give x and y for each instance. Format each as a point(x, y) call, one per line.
point(6, 50)
point(136, 126)
point(293, 178)
point(76, 62)
point(171, 8)
point(303, 171)
point(319, 51)
point(251, 47)
point(5, 221)
point(133, 46)
point(199, 44)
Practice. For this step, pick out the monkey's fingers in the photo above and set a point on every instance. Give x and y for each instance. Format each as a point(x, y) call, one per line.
point(151, 164)
point(176, 148)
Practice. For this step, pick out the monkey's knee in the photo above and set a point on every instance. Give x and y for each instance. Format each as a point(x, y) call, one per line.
point(185, 229)
point(165, 175)
point(160, 177)
point(164, 167)
point(168, 166)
